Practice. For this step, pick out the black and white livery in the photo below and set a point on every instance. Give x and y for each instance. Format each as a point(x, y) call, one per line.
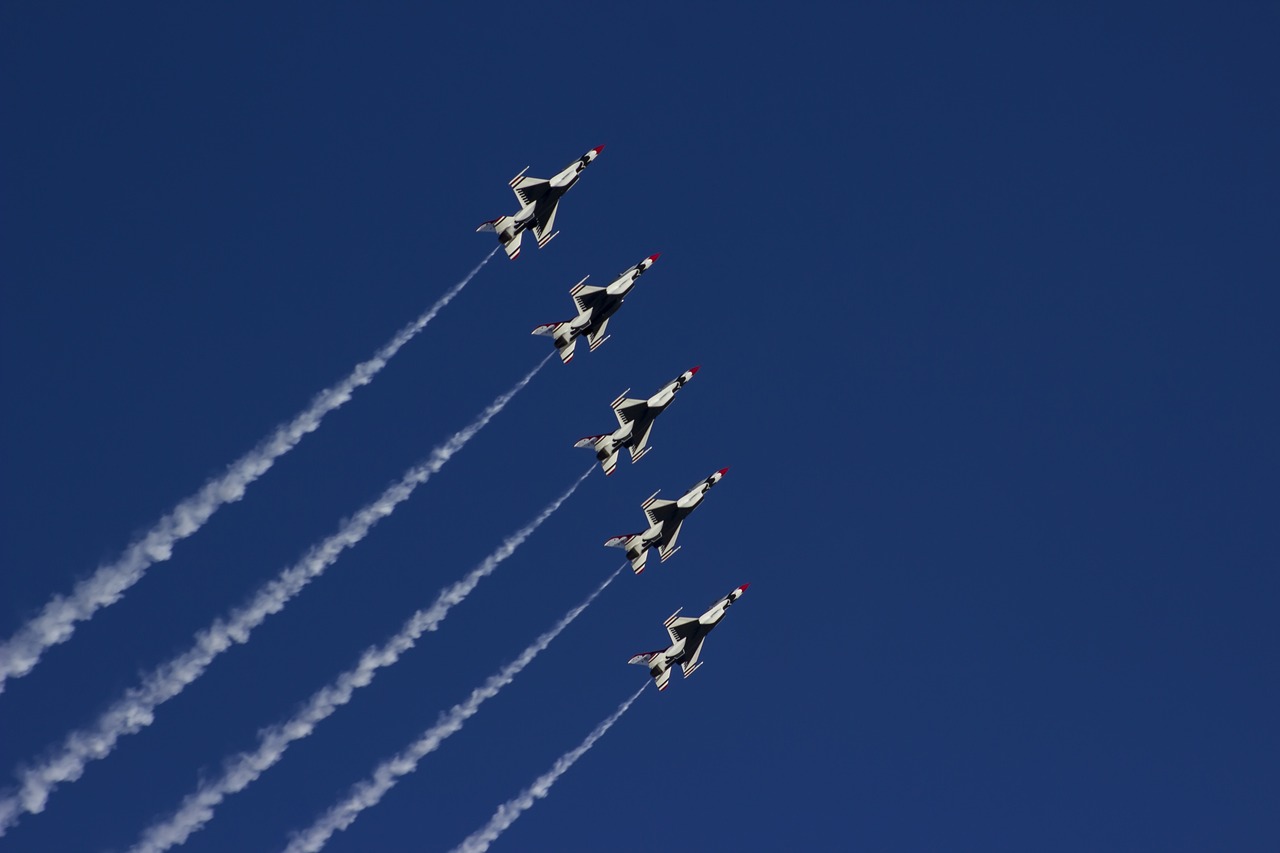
point(665, 519)
point(538, 199)
point(595, 306)
point(635, 420)
point(687, 634)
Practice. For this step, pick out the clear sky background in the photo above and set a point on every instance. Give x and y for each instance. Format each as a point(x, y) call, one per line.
point(985, 305)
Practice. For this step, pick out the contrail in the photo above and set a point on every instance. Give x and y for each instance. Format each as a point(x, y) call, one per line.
point(507, 813)
point(56, 622)
point(370, 791)
point(136, 709)
point(240, 771)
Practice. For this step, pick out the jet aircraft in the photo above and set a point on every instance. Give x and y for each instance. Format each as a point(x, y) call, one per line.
point(665, 520)
point(687, 634)
point(635, 420)
point(538, 199)
point(595, 306)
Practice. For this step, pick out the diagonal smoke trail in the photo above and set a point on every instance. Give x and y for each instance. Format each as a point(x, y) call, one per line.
point(242, 770)
point(136, 709)
point(56, 622)
point(507, 813)
point(369, 792)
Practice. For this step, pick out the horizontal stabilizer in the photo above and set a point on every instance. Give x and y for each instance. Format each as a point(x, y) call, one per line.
point(489, 227)
point(644, 657)
point(619, 541)
point(547, 329)
point(589, 441)
point(662, 679)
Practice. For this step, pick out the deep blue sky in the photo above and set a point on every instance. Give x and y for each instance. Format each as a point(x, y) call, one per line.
point(985, 302)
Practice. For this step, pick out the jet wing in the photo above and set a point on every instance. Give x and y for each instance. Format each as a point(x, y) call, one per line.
point(586, 298)
point(628, 409)
point(530, 190)
point(659, 512)
point(667, 542)
point(680, 628)
point(690, 663)
point(640, 442)
point(598, 337)
point(545, 223)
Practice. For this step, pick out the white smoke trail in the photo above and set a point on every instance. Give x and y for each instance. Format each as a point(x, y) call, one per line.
point(369, 792)
point(507, 813)
point(136, 709)
point(56, 622)
point(240, 771)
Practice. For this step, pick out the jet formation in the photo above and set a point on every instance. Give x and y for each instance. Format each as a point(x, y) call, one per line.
point(539, 200)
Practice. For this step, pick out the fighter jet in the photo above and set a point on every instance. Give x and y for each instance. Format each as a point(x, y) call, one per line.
point(595, 306)
point(538, 199)
point(687, 635)
point(635, 420)
point(665, 519)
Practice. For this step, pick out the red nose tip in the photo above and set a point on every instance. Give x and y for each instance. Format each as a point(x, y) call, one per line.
point(653, 258)
point(723, 471)
point(598, 149)
point(693, 369)
point(743, 588)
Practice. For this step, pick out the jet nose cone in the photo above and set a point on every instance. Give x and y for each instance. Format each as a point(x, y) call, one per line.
point(694, 370)
point(595, 152)
point(654, 257)
point(723, 471)
point(743, 588)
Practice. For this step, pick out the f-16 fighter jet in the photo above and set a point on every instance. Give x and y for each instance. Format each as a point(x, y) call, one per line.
point(538, 199)
point(635, 420)
point(665, 519)
point(687, 635)
point(595, 306)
